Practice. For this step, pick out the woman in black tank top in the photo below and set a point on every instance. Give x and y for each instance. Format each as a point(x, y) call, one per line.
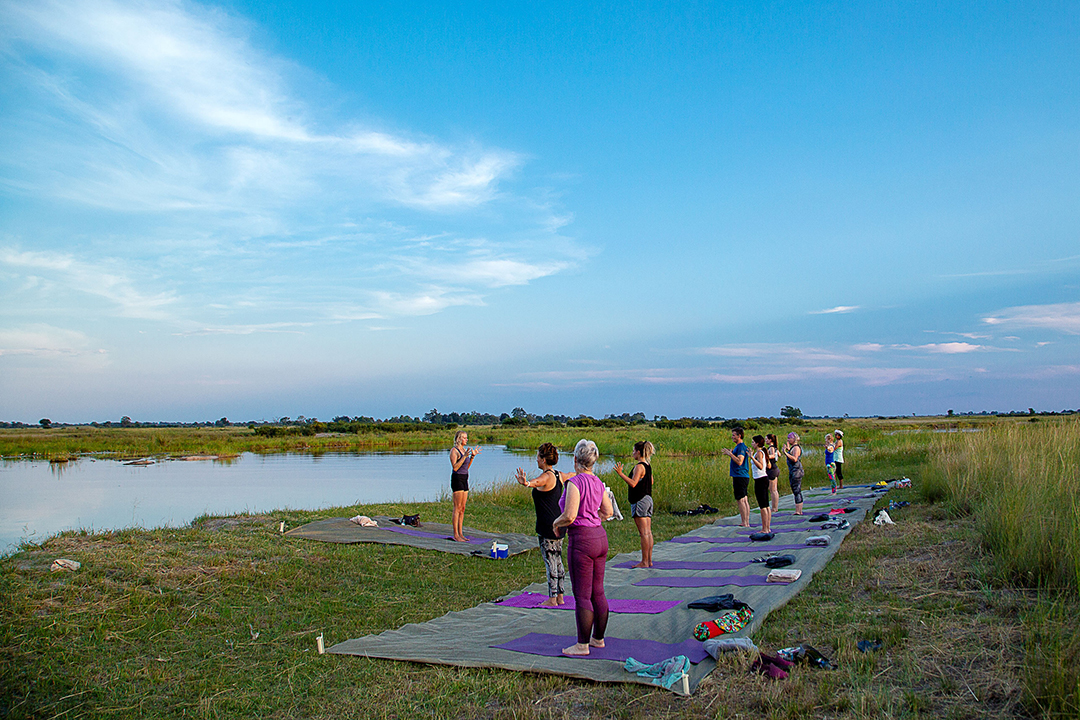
point(640, 497)
point(547, 491)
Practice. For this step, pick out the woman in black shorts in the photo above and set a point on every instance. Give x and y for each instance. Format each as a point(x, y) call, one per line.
point(640, 497)
point(461, 457)
point(772, 469)
point(759, 470)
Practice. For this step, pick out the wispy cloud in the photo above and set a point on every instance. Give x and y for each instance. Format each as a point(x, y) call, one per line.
point(84, 277)
point(43, 341)
point(230, 183)
point(1063, 317)
point(838, 310)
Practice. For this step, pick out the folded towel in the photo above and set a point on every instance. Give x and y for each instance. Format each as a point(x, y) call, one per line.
point(363, 521)
point(783, 575)
point(818, 540)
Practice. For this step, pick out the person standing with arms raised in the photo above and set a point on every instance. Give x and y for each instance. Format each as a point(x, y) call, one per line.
point(740, 474)
point(793, 453)
point(461, 457)
point(640, 497)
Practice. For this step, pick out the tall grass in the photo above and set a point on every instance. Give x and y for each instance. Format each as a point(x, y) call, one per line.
point(1022, 484)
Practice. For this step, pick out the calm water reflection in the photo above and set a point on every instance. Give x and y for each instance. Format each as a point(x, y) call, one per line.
point(38, 499)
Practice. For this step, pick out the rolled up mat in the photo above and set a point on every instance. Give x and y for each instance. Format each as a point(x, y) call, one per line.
point(698, 581)
point(688, 565)
point(615, 605)
point(646, 651)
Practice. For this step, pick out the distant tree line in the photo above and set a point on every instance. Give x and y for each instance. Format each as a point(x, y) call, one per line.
point(518, 417)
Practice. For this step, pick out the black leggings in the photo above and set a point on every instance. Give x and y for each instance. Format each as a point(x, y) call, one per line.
point(839, 472)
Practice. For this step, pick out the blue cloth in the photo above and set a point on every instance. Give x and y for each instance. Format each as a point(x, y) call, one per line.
point(664, 673)
point(737, 470)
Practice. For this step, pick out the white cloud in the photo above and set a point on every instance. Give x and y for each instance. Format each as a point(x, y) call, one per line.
point(839, 309)
point(42, 341)
point(1063, 317)
point(951, 348)
point(91, 279)
point(191, 115)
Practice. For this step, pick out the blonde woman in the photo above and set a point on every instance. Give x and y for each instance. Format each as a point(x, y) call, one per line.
point(585, 506)
point(461, 457)
point(639, 496)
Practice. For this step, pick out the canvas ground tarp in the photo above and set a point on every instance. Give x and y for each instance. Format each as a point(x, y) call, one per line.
point(467, 637)
point(430, 536)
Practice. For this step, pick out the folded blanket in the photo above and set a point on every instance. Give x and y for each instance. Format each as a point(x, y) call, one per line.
point(363, 521)
point(818, 540)
point(784, 575)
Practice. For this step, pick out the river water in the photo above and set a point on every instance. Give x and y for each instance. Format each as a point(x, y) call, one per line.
point(39, 499)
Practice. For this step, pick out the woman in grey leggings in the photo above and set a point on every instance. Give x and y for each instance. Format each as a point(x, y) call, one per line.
point(547, 490)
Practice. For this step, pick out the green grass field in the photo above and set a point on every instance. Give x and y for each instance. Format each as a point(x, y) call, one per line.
point(219, 619)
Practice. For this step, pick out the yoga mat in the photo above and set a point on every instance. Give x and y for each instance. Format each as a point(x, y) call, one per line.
point(413, 532)
point(435, 536)
point(699, 539)
point(698, 581)
point(762, 548)
point(615, 605)
point(688, 565)
point(646, 651)
point(751, 531)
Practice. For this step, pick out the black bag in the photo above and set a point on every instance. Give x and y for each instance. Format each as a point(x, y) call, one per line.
point(779, 561)
point(715, 603)
point(762, 536)
point(413, 520)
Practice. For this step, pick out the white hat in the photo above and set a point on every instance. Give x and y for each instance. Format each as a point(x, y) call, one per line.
point(839, 433)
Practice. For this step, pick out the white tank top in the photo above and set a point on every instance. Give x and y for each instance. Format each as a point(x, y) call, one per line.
point(758, 474)
point(838, 456)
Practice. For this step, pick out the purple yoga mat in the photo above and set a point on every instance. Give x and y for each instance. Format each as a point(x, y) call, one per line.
point(699, 539)
point(794, 521)
point(751, 531)
point(716, 581)
point(615, 605)
point(689, 565)
point(758, 548)
point(646, 651)
point(437, 536)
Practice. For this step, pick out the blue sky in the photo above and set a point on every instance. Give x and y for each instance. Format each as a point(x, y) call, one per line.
point(297, 208)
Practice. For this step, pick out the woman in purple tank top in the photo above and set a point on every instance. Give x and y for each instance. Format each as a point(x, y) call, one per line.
point(585, 507)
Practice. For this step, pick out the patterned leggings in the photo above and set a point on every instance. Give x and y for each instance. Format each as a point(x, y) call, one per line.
point(552, 553)
point(830, 470)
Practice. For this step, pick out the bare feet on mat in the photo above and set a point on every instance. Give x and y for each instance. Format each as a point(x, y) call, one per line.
point(460, 539)
point(550, 602)
point(593, 642)
point(641, 564)
point(576, 650)
point(560, 600)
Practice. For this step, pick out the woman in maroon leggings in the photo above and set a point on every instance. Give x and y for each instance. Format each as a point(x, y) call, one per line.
point(585, 506)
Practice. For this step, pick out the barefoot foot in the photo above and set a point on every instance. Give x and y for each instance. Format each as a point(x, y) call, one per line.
point(576, 650)
point(593, 642)
point(550, 602)
point(641, 564)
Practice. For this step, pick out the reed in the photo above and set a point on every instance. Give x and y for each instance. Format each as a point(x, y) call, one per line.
point(1020, 481)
